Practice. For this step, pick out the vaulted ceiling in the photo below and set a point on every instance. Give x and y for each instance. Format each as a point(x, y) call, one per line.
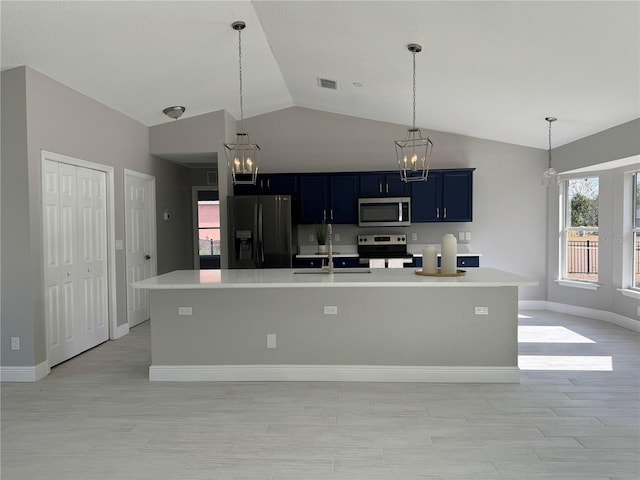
point(491, 70)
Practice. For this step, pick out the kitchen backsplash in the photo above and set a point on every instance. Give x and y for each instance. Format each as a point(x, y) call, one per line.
point(417, 234)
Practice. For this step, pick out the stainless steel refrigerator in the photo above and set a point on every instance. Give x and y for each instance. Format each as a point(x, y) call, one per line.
point(262, 231)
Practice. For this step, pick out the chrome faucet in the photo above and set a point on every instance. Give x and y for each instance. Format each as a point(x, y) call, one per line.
point(329, 237)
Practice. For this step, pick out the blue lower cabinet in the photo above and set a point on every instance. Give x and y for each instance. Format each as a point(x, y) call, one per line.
point(339, 262)
point(468, 262)
point(308, 262)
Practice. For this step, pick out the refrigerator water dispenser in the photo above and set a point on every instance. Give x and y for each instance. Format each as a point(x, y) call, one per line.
point(244, 244)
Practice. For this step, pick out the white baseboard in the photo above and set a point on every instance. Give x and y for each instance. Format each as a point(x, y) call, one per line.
point(594, 314)
point(25, 374)
point(121, 331)
point(332, 373)
point(532, 305)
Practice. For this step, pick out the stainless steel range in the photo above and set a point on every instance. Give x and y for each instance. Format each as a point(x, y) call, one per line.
point(383, 246)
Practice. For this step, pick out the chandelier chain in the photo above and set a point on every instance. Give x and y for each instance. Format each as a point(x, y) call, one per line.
point(240, 70)
point(549, 144)
point(414, 89)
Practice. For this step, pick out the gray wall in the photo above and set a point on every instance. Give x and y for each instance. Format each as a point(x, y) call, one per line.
point(617, 143)
point(18, 305)
point(61, 120)
point(509, 205)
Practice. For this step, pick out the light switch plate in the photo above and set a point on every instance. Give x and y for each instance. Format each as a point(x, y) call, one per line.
point(271, 340)
point(312, 237)
point(461, 236)
point(330, 310)
point(467, 236)
point(481, 310)
point(337, 237)
point(185, 311)
point(414, 236)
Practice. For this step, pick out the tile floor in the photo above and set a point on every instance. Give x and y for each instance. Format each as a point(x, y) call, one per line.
point(576, 416)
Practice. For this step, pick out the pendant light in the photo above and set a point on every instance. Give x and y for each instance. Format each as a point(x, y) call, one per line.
point(242, 156)
point(414, 152)
point(550, 176)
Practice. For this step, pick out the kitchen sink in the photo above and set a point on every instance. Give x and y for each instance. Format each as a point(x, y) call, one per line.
point(335, 270)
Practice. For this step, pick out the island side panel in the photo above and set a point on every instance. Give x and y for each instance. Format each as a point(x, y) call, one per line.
point(374, 326)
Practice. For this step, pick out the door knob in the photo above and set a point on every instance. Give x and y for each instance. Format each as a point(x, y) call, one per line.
point(147, 257)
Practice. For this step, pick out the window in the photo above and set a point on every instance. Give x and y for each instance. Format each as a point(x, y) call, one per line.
point(580, 232)
point(206, 220)
point(635, 228)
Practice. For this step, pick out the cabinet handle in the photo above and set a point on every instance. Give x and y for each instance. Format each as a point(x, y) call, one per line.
point(445, 212)
point(387, 188)
point(261, 184)
point(332, 214)
point(380, 185)
point(268, 184)
point(437, 212)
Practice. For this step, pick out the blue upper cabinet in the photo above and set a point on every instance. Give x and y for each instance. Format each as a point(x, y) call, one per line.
point(313, 198)
point(343, 198)
point(270, 184)
point(332, 198)
point(426, 199)
point(446, 196)
point(382, 184)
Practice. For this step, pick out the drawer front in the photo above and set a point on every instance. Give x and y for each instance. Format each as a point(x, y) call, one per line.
point(468, 262)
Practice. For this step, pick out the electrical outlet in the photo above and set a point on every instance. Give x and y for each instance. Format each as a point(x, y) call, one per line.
point(271, 340)
point(312, 237)
point(336, 237)
point(185, 311)
point(481, 310)
point(461, 236)
point(15, 343)
point(414, 236)
point(467, 236)
point(330, 310)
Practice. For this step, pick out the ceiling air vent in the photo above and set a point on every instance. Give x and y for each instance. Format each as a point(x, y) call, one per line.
point(326, 83)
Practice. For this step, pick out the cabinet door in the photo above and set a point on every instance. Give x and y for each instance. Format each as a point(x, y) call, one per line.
point(247, 189)
point(425, 199)
point(394, 186)
point(346, 262)
point(279, 184)
point(371, 185)
point(457, 196)
point(313, 198)
point(343, 199)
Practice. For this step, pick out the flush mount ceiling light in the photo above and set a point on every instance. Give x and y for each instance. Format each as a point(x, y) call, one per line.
point(174, 112)
point(414, 152)
point(242, 156)
point(550, 176)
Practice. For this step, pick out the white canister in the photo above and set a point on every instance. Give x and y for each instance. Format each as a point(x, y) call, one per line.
point(449, 252)
point(429, 259)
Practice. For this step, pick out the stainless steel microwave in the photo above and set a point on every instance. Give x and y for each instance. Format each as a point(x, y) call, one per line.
point(384, 212)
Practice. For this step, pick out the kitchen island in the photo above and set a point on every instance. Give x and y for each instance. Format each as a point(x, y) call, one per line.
point(386, 325)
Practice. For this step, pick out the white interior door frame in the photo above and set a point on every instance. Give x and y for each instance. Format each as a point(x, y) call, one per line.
point(194, 213)
point(111, 236)
point(151, 225)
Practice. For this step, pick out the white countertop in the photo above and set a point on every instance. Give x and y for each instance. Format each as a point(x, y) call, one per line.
point(286, 278)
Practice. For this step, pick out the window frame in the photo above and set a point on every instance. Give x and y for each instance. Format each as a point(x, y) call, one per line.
point(634, 232)
point(566, 228)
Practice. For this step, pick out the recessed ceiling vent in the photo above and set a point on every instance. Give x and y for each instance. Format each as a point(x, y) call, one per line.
point(326, 83)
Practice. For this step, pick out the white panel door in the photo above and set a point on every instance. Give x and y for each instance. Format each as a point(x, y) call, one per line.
point(74, 229)
point(91, 327)
point(140, 242)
